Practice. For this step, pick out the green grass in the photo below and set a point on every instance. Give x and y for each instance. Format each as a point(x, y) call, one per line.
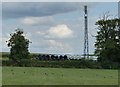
point(0, 76)
point(58, 76)
point(4, 58)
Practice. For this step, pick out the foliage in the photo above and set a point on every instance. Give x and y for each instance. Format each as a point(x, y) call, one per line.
point(59, 64)
point(108, 41)
point(19, 46)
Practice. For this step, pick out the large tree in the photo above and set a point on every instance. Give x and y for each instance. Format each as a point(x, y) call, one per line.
point(108, 40)
point(18, 46)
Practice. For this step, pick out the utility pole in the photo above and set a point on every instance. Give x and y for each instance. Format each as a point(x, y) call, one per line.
point(86, 45)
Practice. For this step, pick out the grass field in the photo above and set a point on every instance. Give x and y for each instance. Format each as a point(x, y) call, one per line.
point(58, 76)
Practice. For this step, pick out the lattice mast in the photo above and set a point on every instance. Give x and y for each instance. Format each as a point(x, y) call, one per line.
point(86, 45)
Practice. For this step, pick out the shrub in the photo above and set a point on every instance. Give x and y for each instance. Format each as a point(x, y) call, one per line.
point(58, 64)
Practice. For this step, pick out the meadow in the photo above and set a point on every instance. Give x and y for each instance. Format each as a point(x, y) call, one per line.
point(58, 76)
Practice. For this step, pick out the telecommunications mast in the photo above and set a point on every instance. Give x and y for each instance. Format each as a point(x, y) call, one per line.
point(86, 45)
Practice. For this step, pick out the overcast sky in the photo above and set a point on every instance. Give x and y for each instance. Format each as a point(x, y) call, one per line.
point(53, 27)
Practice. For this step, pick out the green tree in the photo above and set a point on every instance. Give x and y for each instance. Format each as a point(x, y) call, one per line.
point(18, 46)
point(108, 40)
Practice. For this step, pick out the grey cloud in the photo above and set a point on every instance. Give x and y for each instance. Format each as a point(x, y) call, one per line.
point(35, 9)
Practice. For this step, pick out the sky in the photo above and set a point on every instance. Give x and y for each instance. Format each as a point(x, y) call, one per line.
point(54, 27)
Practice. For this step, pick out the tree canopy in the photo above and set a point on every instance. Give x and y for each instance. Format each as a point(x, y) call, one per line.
point(108, 40)
point(18, 46)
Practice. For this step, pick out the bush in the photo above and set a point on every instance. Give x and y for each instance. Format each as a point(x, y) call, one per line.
point(56, 64)
point(110, 65)
point(8, 63)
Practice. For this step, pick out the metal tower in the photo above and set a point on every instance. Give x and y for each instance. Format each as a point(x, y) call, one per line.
point(119, 14)
point(86, 46)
